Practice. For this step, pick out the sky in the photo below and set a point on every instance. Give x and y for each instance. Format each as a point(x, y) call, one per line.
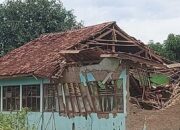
point(144, 19)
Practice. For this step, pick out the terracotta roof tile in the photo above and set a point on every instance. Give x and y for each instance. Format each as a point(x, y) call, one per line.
point(40, 57)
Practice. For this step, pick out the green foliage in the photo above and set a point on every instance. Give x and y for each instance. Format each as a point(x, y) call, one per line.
point(169, 49)
point(157, 47)
point(159, 79)
point(172, 45)
point(24, 20)
point(15, 121)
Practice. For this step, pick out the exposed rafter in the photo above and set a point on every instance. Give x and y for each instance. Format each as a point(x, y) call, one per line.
point(110, 44)
point(116, 41)
point(139, 52)
point(104, 34)
point(114, 38)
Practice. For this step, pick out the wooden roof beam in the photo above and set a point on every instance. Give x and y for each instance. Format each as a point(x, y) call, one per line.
point(120, 41)
point(114, 38)
point(69, 51)
point(104, 34)
point(108, 44)
point(133, 58)
point(139, 52)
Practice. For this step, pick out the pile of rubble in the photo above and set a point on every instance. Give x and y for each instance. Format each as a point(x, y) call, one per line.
point(156, 97)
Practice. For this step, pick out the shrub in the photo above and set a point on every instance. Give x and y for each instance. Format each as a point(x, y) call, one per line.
point(15, 121)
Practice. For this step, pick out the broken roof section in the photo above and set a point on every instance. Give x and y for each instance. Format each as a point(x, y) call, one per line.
point(43, 56)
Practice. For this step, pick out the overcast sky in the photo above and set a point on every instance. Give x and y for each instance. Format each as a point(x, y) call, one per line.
point(144, 19)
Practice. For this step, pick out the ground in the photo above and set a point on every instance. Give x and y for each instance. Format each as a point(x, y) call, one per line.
point(167, 119)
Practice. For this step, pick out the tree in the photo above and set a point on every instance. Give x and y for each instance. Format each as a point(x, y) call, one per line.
point(157, 47)
point(172, 45)
point(24, 20)
point(170, 48)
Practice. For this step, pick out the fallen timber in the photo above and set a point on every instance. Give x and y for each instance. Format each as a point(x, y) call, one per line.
point(156, 97)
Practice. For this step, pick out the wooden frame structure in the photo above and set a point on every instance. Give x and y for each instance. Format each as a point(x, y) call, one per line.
point(113, 42)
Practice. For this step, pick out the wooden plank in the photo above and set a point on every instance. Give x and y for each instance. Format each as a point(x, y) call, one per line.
point(79, 98)
point(134, 58)
point(108, 44)
point(69, 51)
point(122, 35)
point(104, 34)
point(120, 41)
point(108, 55)
point(84, 98)
point(92, 98)
point(74, 98)
point(114, 40)
point(175, 65)
point(139, 52)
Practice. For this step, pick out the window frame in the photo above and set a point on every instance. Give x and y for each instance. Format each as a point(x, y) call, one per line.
point(4, 97)
point(31, 97)
point(53, 95)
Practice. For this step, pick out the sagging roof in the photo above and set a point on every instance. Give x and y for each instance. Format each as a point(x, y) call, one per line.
point(41, 56)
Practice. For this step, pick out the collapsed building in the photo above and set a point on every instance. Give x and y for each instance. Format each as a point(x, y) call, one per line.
point(76, 80)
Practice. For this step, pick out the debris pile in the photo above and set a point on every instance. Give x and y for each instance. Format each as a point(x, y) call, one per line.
point(155, 97)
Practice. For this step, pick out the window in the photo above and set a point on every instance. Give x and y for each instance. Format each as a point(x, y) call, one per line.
point(50, 98)
point(31, 97)
point(11, 98)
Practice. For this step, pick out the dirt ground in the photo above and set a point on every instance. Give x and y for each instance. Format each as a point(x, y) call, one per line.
point(168, 119)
